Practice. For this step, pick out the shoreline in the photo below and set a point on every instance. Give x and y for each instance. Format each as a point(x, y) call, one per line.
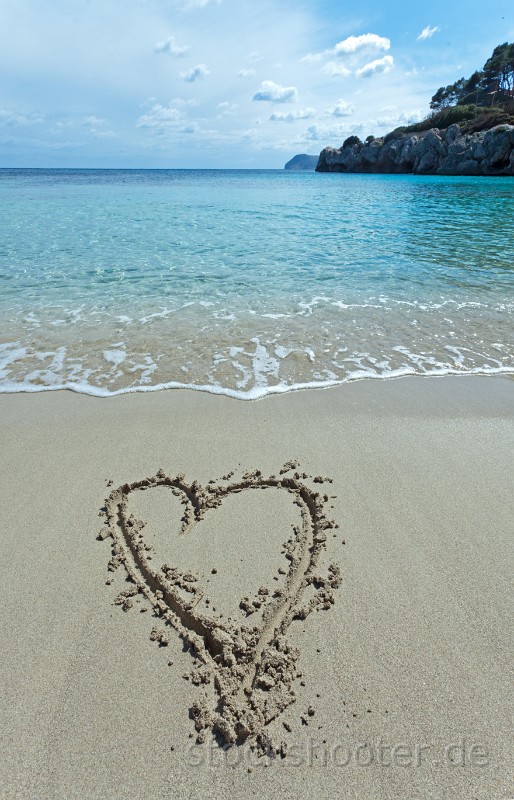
point(257, 393)
point(413, 655)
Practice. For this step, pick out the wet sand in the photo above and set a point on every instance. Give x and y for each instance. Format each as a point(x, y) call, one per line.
point(390, 682)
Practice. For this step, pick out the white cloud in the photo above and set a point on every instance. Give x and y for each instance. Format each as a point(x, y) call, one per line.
point(380, 65)
point(246, 72)
point(93, 124)
point(195, 74)
point(391, 117)
point(336, 70)
point(275, 93)
point(168, 46)
point(159, 116)
point(341, 109)
point(178, 102)
point(228, 109)
point(10, 117)
point(92, 121)
point(249, 133)
point(351, 52)
point(427, 32)
point(352, 44)
point(315, 132)
point(104, 134)
point(315, 56)
point(325, 133)
point(292, 116)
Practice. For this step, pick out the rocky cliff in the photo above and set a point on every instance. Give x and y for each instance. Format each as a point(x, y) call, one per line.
point(433, 152)
point(302, 162)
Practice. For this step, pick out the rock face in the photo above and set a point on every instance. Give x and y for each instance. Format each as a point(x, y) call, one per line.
point(433, 152)
point(301, 162)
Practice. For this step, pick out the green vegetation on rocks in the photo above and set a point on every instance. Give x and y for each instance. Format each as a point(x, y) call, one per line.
point(492, 85)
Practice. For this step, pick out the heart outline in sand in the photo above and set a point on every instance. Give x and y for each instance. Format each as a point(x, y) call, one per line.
point(252, 668)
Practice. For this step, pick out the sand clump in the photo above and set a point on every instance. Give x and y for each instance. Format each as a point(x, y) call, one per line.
point(246, 672)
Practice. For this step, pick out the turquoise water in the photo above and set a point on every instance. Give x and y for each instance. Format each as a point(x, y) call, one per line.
point(248, 282)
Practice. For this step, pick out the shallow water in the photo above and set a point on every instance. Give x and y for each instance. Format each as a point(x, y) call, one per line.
point(248, 282)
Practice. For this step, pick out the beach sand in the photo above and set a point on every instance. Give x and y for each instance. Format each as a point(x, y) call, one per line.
point(403, 685)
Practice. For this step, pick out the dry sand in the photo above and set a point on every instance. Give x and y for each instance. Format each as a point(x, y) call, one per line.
point(395, 686)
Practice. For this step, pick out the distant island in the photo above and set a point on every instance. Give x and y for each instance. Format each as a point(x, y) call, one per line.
point(302, 162)
point(470, 131)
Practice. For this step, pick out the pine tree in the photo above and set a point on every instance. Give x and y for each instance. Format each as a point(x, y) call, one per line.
point(499, 71)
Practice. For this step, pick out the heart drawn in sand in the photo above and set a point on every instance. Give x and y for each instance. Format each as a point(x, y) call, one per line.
point(251, 667)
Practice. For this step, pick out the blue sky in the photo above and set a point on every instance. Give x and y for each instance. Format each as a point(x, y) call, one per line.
point(224, 83)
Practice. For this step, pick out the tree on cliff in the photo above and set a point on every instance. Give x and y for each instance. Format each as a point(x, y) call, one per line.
point(499, 69)
point(492, 84)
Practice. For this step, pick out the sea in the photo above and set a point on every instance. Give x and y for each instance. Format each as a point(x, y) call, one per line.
point(250, 282)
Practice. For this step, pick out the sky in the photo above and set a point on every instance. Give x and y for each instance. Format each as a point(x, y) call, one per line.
point(224, 83)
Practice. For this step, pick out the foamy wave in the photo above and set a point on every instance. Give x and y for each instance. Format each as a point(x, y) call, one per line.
point(275, 362)
point(256, 393)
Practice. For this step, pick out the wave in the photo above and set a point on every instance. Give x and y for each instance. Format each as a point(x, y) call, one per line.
point(257, 392)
